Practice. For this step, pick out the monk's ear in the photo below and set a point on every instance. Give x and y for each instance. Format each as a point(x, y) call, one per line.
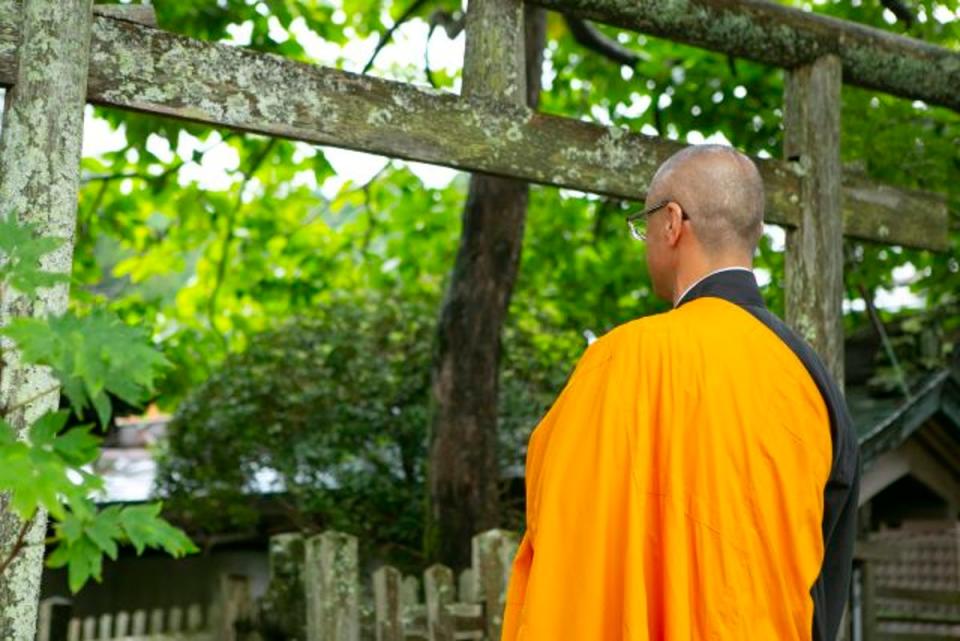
point(674, 228)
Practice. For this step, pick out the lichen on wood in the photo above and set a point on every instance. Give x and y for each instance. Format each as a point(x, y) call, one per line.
point(773, 34)
point(39, 181)
point(814, 255)
point(144, 69)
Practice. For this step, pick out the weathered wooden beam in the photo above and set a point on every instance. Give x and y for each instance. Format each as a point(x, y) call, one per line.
point(39, 180)
point(781, 36)
point(158, 72)
point(143, 14)
point(814, 254)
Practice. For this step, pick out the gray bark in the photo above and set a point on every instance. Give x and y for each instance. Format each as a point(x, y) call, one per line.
point(39, 179)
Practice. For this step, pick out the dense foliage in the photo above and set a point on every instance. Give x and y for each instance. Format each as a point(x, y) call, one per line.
point(326, 416)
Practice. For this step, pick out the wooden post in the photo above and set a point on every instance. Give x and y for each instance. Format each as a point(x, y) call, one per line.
point(138, 625)
point(54, 619)
point(814, 253)
point(175, 620)
point(156, 621)
point(331, 587)
point(493, 552)
point(283, 608)
point(105, 629)
point(73, 630)
point(413, 613)
point(868, 601)
point(493, 61)
point(194, 618)
point(123, 625)
point(467, 586)
point(386, 599)
point(89, 628)
point(440, 594)
point(235, 606)
point(39, 182)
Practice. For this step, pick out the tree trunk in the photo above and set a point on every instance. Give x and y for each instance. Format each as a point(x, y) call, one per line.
point(463, 468)
point(39, 179)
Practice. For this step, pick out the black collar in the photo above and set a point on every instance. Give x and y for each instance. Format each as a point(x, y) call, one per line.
point(736, 286)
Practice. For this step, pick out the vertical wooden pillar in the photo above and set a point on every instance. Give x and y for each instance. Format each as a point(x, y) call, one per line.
point(493, 553)
point(54, 620)
point(814, 257)
point(331, 587)
point(438, 587)
point(283, 608)
point(493, 60)
point(235, 610)
point(386, 598)
point(39, 180)
point(868, 601)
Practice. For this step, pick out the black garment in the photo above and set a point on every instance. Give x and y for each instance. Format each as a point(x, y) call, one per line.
point(842, 491)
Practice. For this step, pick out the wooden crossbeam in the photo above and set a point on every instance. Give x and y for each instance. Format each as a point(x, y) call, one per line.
point(142, 69)
point(780, 36)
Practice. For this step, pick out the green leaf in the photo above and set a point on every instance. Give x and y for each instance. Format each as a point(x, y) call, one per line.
point(105, 530)
point(144, 528)
point(81, 557)
point(83, 539)
point(21, 248)
point(8, 435)
point(85, 562)
point(78, 446)
point(45, 429)
point(92, 356)
point(37, 472)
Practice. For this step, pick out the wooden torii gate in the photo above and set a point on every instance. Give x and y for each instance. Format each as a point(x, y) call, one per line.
point(57, 55)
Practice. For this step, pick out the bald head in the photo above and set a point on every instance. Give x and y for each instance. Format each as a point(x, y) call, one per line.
point(722, 192)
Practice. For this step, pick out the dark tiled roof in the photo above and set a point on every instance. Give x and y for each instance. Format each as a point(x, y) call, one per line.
point(884, 423)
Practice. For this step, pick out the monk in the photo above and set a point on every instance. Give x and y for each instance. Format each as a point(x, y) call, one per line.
point(697, 477)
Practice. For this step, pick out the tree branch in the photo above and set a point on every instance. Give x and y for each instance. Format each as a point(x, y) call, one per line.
point(135, 175)
point(900, 10)
point(7, 410)
point(17, 546)
point(388, 34)
point(228, 238)
point(453, 24)
point(593, 39)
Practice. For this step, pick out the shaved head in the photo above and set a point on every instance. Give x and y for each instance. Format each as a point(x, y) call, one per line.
point(721, 191)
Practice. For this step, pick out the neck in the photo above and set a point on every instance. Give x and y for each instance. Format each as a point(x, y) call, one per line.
point(692, 272)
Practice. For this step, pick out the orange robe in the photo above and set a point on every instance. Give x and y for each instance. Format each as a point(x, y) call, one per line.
point(675, 489)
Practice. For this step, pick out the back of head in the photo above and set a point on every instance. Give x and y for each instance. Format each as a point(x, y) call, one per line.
point(721, 191)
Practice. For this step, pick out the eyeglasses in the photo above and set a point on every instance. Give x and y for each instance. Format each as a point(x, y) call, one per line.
point(638, 222)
